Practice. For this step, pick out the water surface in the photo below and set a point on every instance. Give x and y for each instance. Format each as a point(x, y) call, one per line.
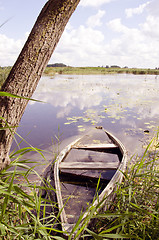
point(125, 105)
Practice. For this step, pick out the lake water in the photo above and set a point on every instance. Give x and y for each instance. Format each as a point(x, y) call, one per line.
point(125, 105)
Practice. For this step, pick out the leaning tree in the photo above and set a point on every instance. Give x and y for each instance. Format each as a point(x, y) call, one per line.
point(28, 68)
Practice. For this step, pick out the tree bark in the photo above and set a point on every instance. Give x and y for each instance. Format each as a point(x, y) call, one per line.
point(29, 67)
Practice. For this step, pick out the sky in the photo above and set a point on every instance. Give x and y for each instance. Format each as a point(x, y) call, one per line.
point(99, 33)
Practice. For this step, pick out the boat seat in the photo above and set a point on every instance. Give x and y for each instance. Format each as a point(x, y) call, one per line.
point(88, 166)
point(96, 146)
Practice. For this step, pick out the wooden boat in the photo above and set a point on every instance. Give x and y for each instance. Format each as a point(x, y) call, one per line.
point(97, 157)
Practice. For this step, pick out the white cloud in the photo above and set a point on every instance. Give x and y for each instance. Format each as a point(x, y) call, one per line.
point(133, 46)
point(9, 50)
point(151, 27)
point(133, 11)
point(95, 20)
point(79, 47)
point(117, 26)
point(87, 46)
point(93, 3)
point(153, 8)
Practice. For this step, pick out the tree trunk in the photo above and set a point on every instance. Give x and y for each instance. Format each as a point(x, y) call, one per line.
point(29, 67)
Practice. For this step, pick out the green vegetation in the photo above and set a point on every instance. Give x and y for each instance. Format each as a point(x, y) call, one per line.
point(135, 211)
point(97, 70)
point(4, 71)
point(24, 208)
point(51, 71)
point(23, 212)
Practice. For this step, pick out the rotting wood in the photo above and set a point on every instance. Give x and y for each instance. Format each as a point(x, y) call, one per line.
point(96, 146)
point(57, 183)
point(88, 165)
point(106, 194)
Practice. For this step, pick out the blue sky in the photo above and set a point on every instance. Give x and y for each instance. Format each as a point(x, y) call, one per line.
point(99, 33)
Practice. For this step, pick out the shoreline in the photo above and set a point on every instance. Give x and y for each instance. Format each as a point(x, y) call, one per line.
point(50, 71)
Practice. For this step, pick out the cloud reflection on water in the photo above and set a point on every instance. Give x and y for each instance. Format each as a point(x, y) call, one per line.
point(124, 104)
point(118, 92)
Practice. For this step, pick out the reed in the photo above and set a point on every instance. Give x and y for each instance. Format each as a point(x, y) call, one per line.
point(135, 212)
point(25, 209)
point(51, 71)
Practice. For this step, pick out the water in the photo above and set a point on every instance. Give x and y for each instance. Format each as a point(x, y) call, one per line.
point(126, 105)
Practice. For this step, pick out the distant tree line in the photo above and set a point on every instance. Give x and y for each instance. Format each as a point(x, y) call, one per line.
point(113, 66)
point(57, 65)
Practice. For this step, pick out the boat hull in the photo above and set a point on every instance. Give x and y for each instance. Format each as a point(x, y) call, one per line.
point(98, 158)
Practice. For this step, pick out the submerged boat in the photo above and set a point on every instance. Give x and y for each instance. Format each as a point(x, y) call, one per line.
point(90, 166)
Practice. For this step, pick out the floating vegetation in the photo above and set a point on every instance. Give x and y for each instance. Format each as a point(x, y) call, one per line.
point(90, 116)
point(81, 128)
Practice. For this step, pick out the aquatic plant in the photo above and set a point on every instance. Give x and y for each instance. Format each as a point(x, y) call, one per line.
point(98, 70)
point(25, 209)
point(135, 210)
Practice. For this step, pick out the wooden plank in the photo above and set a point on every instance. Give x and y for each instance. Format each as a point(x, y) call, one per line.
point(96, 146)
point(106, 196)
point(88, 165)
point(57, 182)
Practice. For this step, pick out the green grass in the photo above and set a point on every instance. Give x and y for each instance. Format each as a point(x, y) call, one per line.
point(51, 71)
point(23, 212)
point(24, 208)
point(135, 212)
point(97, 70)
point(133, 215)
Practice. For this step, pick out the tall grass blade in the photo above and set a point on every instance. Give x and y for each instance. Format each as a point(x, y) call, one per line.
point(5, 202)
point(6, 94)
